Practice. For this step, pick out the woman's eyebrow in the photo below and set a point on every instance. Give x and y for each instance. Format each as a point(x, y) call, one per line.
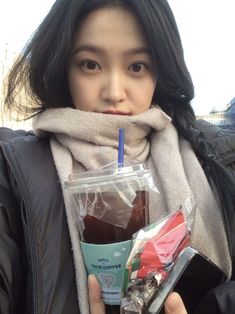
point(139, 50)
point(90, 48)
point(96, 49)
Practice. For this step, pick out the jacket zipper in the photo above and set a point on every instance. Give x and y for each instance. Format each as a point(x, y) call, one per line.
point(31, 234)
point(31, 237)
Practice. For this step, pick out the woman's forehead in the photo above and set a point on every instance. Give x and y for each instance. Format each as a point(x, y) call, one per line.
point(107, 25)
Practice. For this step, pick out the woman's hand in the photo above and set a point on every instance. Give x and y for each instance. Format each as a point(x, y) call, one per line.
point(94, 290)
point(173, 304)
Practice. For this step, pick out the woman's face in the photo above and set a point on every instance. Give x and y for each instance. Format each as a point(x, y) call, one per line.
point(111, 70)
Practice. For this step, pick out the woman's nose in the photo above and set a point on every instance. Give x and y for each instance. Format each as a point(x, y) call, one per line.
point(114, 89)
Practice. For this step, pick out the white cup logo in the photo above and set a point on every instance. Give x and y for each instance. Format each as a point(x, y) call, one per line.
point(107, 280)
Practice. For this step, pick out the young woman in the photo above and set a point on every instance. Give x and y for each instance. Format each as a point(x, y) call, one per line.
point(92, 67)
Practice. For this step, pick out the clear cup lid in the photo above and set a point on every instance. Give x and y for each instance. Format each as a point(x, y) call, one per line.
point(109, 172)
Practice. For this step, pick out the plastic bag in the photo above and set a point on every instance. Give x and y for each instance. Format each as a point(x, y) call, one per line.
point(152, 257)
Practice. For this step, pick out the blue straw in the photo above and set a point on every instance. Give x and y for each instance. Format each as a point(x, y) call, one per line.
point(121, 148)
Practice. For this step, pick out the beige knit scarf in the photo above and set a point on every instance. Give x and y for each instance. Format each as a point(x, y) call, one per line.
point(82, 141)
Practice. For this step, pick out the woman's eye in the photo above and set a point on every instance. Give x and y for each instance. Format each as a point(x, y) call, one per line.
point(90, 65)
point(138, 67)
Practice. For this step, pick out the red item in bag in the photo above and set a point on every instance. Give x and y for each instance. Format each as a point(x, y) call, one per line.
point(160, 251)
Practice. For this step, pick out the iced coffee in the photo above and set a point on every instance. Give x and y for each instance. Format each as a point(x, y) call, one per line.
point(110, 204)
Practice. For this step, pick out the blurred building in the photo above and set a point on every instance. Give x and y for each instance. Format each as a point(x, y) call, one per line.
point(221, 117)
point(230, 112)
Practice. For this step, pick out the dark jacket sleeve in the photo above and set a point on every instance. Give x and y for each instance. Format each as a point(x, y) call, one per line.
point(222, 177)
point(220, 300)
point(223, 142)
point(12, 271)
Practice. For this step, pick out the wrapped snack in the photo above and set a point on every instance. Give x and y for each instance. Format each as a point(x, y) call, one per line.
point(152, 257)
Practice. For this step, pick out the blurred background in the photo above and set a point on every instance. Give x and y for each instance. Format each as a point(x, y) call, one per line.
point(207, 31)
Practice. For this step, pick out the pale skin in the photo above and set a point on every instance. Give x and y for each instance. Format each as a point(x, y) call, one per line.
point(111, 72)
point(110, 68)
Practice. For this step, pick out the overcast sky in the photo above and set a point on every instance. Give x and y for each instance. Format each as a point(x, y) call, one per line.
point(207, 29)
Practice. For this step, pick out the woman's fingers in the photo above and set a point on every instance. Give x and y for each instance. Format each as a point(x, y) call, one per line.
point(96, 303)
point(174, 304)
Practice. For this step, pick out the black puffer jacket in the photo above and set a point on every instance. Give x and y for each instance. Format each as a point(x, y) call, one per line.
point(36, 265)
point(223, 141)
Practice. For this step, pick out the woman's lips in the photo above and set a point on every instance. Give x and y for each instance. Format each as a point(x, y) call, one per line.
point(116, 112)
